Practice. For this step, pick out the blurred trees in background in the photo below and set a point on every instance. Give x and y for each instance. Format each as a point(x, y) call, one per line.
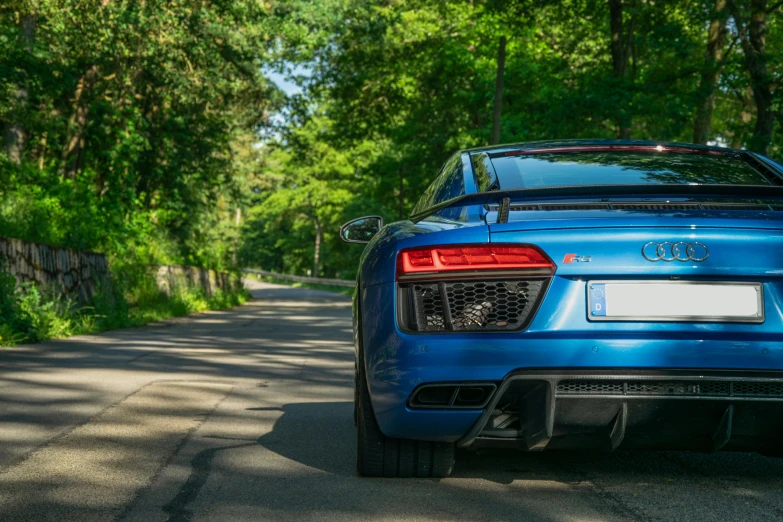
point(130, 127)
point(148, 126)
point(398, 85)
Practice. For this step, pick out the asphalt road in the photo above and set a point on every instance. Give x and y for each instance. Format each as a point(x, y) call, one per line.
point(247, 415)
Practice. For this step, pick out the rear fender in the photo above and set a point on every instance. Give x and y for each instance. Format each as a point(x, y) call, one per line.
point(358, 320)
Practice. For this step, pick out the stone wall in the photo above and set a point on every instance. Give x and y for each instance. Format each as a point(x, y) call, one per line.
point(77, 273)
point(171, 277)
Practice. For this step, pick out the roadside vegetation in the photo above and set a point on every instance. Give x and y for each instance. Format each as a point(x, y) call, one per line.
point(389, 89)
point(31, 314)
point(127, 128)
point(313, 286)
point(151, 131)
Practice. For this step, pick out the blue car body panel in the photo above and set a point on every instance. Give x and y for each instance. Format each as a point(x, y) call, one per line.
point(743, 246)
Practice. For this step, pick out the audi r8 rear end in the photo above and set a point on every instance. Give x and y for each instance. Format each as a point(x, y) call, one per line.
point(575, 294)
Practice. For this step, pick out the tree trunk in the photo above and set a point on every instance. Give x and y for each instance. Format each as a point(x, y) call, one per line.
point(753, 38)
point(317, 254)
point(13, 134)
point(13, 131)
point(716, 39)
point(73, 153)
point(495, 137)
point(42, 143)
point(401, 194)
point(622, 48)
point(237, 222)
point(745, 97)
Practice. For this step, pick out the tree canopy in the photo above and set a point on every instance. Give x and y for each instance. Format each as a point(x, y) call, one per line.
point(151, 126)
point(131, 124)
point(397, 86)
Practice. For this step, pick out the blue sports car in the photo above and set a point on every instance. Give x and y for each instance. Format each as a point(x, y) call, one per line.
point(573, 294)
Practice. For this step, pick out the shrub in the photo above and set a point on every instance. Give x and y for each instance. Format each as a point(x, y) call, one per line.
point(130, 297)
point(50, 315)
point(8, 337)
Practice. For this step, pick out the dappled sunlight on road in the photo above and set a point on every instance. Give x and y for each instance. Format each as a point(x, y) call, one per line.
point(96, 469)
point(246, 414)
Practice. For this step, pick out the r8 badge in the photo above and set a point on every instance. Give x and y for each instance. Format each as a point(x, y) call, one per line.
point(573, 258)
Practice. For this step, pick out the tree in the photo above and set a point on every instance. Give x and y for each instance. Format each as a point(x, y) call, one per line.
point(120, 131)
point(495, 138)
point(752, 35)
point(313, 187)
point(622, 47)
point(716, 39)
point(13, 131)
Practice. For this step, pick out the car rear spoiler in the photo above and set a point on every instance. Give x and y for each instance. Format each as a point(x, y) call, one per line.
point(647, 190)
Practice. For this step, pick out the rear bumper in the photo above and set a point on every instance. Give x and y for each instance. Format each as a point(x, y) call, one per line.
point(402, 368)
point(683, 410)
point(556, 343)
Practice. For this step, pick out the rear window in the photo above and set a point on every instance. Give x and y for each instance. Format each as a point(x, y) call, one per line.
point(622, 168)
point(449, 184)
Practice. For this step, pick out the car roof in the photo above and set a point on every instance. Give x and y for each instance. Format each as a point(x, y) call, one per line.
point(586, 143)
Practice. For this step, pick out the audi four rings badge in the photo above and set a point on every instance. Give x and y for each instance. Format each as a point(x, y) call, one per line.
point(679, 251)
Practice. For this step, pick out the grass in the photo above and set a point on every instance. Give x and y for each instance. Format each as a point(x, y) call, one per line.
point(313, 286)
point(157, 307)
point(29, 314)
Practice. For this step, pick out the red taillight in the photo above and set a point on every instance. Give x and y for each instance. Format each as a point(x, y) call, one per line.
point(452, 258)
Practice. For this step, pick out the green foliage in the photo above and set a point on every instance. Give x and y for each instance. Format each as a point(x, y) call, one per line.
point(14, 325)
point(51, 317)
point(29, 314)
point(156, 306)
point(146, 130)
point(313, 286)
point(132, 125)
point(8, 337)
point(394, 88)
point(313, 188)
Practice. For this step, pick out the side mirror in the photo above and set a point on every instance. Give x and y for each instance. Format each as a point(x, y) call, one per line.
point(361, 230)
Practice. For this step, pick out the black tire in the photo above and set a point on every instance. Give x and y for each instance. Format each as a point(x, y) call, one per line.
point(381, 456)
point(355, 396)
point(775, 453)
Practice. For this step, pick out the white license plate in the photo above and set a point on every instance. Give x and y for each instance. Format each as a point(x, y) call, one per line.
point(675, 301)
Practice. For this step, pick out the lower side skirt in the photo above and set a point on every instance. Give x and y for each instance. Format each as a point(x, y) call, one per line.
point(714, 411)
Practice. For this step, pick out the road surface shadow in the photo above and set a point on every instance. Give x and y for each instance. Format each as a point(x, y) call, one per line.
point(58, 384)
point(509, 484)
point(284, 351)
point(332, 448)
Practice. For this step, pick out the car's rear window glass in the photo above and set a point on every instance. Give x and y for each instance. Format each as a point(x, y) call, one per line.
point(449, 184)
point(620, 168)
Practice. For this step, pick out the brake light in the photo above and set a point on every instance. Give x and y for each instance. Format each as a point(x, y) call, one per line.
point(454, 258)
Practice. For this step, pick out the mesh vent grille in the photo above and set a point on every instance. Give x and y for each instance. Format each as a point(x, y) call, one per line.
point(602, 387)
point(644, 206)
point(732, 206)
point(576, 206)
point(713, 388)
point(661, 388)
point(515, 208)
point(429, 305)
point(759, 389)
point(673, 388)
point(473, 305)
point(655, 206)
